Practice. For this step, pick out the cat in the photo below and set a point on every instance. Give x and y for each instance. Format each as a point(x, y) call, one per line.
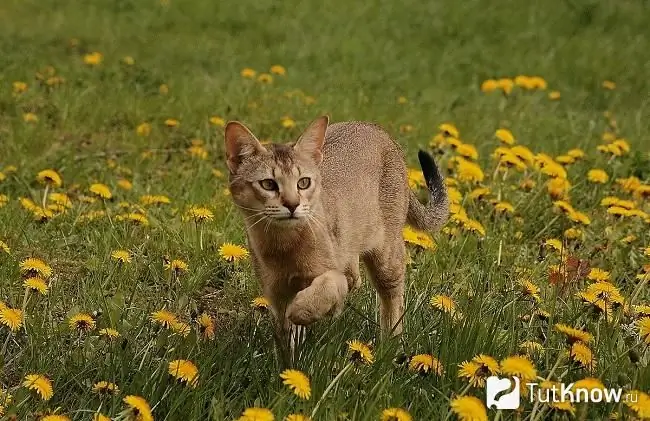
point(315, 207)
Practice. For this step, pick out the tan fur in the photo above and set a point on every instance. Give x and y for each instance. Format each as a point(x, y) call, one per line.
point(355, 209)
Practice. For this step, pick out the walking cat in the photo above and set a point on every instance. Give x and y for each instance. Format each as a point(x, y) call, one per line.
point(316, 207)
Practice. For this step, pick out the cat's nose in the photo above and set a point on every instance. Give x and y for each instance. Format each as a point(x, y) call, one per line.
point(291, 206)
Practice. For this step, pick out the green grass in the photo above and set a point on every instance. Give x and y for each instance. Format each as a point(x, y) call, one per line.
point(355, 59)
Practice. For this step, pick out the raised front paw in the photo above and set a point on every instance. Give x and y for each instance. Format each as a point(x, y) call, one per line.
point(304, 310)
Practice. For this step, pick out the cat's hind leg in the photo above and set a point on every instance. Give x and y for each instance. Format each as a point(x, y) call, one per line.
point(325, 295)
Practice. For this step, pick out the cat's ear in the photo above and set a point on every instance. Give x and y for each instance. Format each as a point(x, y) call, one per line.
point(312, 139)
point(240, 143)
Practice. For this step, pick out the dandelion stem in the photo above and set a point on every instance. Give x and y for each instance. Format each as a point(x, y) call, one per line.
point(45, 192)
point(329, 388)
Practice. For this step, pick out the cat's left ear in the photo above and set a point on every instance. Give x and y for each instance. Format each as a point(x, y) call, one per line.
point(312, 139)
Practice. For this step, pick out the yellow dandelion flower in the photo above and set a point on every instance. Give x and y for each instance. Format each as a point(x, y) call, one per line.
point(469, 171)
point(232, 252)
point(185, 371)
point(11, 317)
point(260, 303)
point(473, 225)
point(581, 353)
point(49, 177)
point(100, 417)
point(40, 384)
point(529, 289)
point(608, 84)
point(596, 274)
point(122, 256)
point(565, 159)
point(181, 328)
point(479, 193)
point(4, 199)
point(30, 118)
point(105, 388)
point(489, 85)
point(197, 152)
point(163, 89)
point(139, 407)
point(505, 136)
point(563, 406)
point(297, 417)
point(248, 73)
point(468, 151)
point(298, 382)
point(360, 352)
point(597, 176)
point(171, 122)
point(572, 334)
point(278, 70)
point(101, 190)
point(93, 59)
point(478, 369)
point(128, 60)
point(265, 78)
point(256, 414)
point(82, 322)
point(158, 199)
point(402, 100)
point(109, 333)
point(143, 129)
point(217, 121)
point(504, 207)
point(419, 238)
point(4, 247)
point(200, 214)
point(531, 347)
point(573, 234)
point(443, 303)
point(449, 129)
point(55, 417)
point(36, 284)
point(395, 414)
point(554, 95)
point(639, 402)
point(553, 243)
point(426, 363)
point(643, 325)
point(166, 318)
point(176, 266)
point(606, 291)
point(469, 408)
point(589, 384)
point(558, 187)
point(524, 154)
point(19, 87)
point(506, 85)
point(206, 326)
point(519, 366)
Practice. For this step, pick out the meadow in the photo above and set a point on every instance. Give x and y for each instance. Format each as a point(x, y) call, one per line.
point(126, 290)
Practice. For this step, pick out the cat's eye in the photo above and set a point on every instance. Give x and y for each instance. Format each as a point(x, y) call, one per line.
point(268, 184)
point(304, 183)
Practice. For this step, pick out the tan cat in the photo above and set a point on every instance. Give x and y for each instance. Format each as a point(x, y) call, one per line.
point(314, 208)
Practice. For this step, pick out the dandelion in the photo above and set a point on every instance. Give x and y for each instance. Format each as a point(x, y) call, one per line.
point(360, 352)
point(206, 326)
point(36, 284)
point(418, 238)
point(93, 59)
point(469, 171)
point(426, 363)
point(185, 371)
point(395, 414)
point(139, 407)
point(82, 322)
point(30, 118)
point(54, 417)
point(157, 199)
point(519, 366)
point(643, 325)
point(143, 129)
point(297, 417)
point(181, 328)
point(166, 318)
point(40, 384)
point(101, 190)
point(122, 256)
point(298, 382)
point(11, 317)
point(529, 289)
point(200, 214)
point(256, 414)
point(260, 303)
point(469, 408)
point(589, 384)
point(505, 136)
point(4, 247)
point(553, 243)
point(554, 95)
point(232, 252)
point(531, 347)
point(504, 207)
point(100, 417)
point(475, 226)
point(197, 151)
point(278, 70)
point(443, 303)
point(596, 274)
point(105, 388)
point(171, 122)
point(177, 266)
point(558, 187)
point(506, 85)
point(608, 84)
point(4, 199)
point(49, 178)
point(582, 354)
point(572, 334)
point(265, 78)
point(248, 73)
point(110, 333)
point(449, 129)
point(163, 89)
point(489, 85)
point(128, 60)
point(597, 176)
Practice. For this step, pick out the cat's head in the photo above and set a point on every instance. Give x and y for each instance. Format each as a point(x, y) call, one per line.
point(276, 183)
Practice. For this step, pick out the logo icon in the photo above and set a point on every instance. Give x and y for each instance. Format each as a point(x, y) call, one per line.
point(502, 393)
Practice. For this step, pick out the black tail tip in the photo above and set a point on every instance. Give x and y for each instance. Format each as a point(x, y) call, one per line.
point(429, 168)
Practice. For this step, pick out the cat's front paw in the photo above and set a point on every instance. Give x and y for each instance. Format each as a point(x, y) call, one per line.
point(304, 311)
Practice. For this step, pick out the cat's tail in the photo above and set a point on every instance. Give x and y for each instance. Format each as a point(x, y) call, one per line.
point(434, 215)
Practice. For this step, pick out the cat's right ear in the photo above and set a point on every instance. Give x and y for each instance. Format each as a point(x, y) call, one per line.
point(240, 143)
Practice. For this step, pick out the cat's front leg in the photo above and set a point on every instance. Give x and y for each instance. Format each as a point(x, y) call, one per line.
point(325, 295)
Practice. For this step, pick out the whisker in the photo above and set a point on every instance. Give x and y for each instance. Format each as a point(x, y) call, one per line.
point(257, 222)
